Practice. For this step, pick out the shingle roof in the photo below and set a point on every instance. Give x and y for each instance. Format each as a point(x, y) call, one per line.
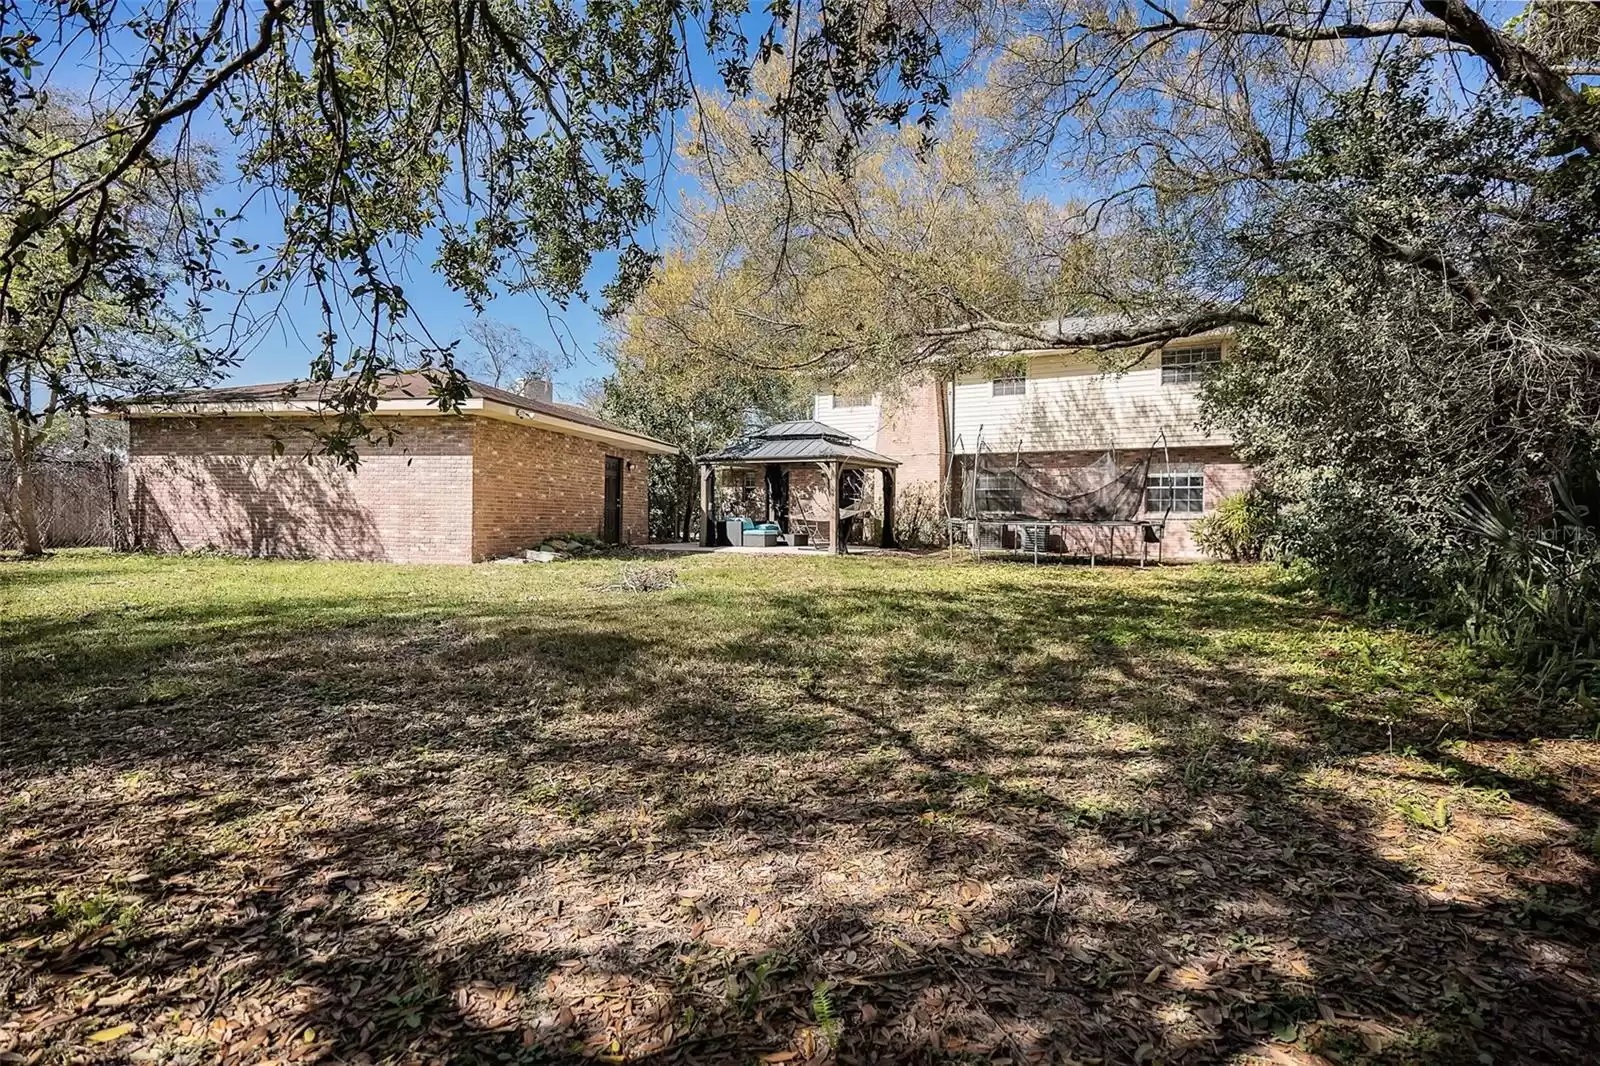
point(798, 442)
point(407, 386)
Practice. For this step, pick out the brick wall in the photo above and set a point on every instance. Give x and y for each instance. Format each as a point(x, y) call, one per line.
point(214, 483)
point(1067, 474)
point(808, 501)
point(809, 504)
point(529, 484)
point(913, 432)
point(447, 490)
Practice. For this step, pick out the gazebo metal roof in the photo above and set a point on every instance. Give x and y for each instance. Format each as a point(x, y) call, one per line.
point(799, 442)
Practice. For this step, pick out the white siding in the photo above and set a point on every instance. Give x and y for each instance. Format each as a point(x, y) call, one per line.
point(860, 422)
point(1072, 404)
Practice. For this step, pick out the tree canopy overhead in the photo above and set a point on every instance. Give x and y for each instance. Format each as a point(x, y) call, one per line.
point(518, 138)
point(514, 141)
point(68, 330)
point(1107, 183)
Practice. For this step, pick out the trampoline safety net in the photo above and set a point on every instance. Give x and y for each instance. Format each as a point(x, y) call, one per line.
point(994, 484)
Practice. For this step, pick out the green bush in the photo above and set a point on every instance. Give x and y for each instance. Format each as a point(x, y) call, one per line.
point(1240, 529)
point(1366, 546)
point(1532, 594)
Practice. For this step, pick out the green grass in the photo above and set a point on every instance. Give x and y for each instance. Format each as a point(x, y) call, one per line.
point(517, 813)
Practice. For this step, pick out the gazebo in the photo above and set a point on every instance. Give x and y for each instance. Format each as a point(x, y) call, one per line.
point(779, 448)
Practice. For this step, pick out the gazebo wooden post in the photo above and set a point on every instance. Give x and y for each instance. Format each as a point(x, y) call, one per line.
point(835, 491)
point(888, 538)
point(708, 490)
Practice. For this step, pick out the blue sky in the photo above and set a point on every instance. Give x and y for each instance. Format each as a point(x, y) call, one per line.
point(571, 334)
point(284, 350)
point(574, 331)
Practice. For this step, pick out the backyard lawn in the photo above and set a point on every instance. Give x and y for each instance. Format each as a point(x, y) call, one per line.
point(792, 810)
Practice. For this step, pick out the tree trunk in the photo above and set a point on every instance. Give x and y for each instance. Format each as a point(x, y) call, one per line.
point(119, 528)
point(1520, 69)
point(27, 512)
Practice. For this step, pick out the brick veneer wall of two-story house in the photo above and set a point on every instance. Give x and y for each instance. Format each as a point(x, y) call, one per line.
point(1064, 424)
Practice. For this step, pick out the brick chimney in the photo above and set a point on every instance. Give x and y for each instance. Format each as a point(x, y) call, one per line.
point(535, 388)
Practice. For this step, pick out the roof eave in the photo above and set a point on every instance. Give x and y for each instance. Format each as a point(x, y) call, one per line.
point(475, 405)
point(555, 423)
point(797, 460)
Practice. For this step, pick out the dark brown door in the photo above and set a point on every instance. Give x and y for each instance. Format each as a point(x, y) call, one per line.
point(778, 496)
point(612, 533)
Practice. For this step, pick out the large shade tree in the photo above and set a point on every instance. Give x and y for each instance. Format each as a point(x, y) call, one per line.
point(1393, 201)
point(1173, 130)
point(919, 259)
point(1194, 118)
point(71, 329)
point(518, 139)
point(1432, 431)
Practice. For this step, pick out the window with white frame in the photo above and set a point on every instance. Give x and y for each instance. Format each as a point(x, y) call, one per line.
point(851, 399)
point(1012, 383)
point(1180, 366)
point(1175, 491)
point(1000, 493)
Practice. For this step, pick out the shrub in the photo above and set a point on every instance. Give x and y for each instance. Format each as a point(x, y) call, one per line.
point(1365, 545)
point(919, 516)
point(1240, 529)
point(1533, 593)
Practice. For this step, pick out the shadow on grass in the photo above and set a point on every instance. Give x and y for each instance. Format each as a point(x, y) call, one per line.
point(1031, 817)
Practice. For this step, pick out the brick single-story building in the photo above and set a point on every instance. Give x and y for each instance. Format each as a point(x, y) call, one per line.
point(238, 470)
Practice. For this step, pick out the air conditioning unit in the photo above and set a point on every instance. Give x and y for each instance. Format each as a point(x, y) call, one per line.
point(1035, 538)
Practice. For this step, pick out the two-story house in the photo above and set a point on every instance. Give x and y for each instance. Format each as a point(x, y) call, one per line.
point(1056, 434)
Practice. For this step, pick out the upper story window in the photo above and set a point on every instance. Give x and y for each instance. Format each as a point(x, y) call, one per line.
point(1177, 491)
point(1014, 383)
point(1180, 366)
point(852, 399)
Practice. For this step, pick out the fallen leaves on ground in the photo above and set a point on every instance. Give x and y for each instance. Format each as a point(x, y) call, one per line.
point(792, 811)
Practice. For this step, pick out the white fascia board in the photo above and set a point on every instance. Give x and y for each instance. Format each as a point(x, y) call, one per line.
point(475, 405)
point(557, 424)
point(284, 407)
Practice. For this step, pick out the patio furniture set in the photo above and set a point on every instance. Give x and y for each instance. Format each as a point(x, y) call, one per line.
point(745, 532)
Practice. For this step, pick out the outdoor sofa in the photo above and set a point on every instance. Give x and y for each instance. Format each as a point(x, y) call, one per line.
point(760, 535)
